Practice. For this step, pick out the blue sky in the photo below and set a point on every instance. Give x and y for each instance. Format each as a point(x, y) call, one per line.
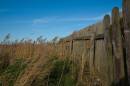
point(50, 18)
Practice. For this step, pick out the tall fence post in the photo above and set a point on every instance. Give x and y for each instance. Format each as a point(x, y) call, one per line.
point(126, 18)
point(108, 46)
point(117, 48)
point(71, 47)
point(92, 53)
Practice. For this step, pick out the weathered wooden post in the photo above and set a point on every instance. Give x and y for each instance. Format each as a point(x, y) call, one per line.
point(126, 18)
point(108, 46)
point(63, 48)
point(117, 47)
point(71, 47)
point(92, 54)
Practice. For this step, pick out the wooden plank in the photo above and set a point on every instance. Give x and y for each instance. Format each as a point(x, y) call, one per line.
point(84, 69)
point(126, 18)
point(100, 63)
point(97, 37)
point(117, 47)
point(108, 46)
point(71, 47)
point(92, 54)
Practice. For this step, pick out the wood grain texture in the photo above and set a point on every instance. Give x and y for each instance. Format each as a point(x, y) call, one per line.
point(108, 48)
point(126, 18)
point(117, 44)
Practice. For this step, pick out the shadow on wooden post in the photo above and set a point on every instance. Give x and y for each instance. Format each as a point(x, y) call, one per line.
point(126, 18)
point(117, 44)
point(108, 46)
point(92, 54)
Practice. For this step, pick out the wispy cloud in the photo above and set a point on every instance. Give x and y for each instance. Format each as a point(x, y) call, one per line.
point(40, 21)
point(53, 19)
point(45, 20)
point(70, 19)
point(80, 19)
point(61, 19)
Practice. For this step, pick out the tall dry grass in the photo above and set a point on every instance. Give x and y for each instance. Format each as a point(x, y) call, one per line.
point(41, 65)
point(37, 55)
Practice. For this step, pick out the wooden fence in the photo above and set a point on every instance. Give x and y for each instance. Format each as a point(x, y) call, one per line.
point(105, 46)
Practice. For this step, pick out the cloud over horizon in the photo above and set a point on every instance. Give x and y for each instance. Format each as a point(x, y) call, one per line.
point(65, 20)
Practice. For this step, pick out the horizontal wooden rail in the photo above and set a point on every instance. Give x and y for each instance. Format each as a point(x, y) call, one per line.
point(98, 37)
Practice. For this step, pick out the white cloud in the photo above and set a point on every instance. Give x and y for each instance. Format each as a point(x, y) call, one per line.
point(80, 19)
point(44, 20)
point(70, 19)
point(60, 19)
point(40, 21)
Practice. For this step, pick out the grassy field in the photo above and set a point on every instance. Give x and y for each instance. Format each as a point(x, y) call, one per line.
point(34, 63)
